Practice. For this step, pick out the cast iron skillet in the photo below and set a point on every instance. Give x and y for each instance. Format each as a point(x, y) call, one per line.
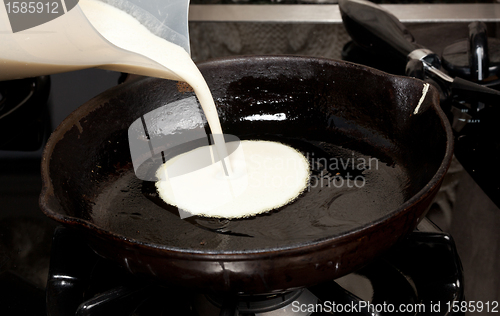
point(332, 109)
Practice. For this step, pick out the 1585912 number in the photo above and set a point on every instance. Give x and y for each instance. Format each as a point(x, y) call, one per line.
point(32, 7)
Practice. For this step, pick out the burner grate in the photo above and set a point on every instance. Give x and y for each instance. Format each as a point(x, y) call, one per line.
point(424, 269)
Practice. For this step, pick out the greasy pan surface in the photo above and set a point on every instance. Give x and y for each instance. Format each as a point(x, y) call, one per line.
point(333, 110)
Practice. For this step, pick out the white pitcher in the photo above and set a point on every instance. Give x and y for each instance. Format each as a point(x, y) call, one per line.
point(70, 42)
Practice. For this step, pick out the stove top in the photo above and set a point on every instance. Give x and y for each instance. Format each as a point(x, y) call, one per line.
point(420, 274)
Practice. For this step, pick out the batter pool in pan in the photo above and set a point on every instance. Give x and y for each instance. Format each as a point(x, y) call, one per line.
point(266, 175)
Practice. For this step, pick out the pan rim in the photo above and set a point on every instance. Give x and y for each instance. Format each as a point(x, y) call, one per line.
point(47, 192)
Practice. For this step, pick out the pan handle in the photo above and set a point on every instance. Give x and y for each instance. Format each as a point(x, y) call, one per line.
point(376, 30)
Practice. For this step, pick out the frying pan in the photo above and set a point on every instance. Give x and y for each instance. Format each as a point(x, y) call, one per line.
point(330, 109)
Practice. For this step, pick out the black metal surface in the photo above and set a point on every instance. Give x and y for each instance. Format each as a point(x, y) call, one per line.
point(438, 280)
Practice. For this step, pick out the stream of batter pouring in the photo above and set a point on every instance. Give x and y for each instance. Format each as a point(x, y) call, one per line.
point(124, 31)
point(242, 188)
